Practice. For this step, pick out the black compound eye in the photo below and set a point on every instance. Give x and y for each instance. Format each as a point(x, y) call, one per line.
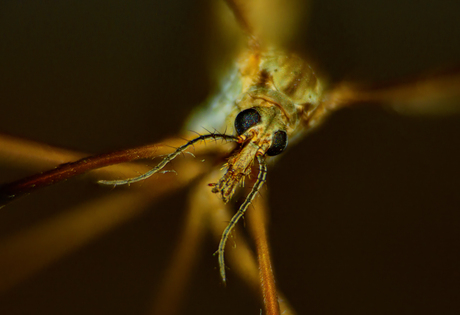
point(279, 143)
point(246, 119)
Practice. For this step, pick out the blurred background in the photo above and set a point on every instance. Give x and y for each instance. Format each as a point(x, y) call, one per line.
point(365, 212)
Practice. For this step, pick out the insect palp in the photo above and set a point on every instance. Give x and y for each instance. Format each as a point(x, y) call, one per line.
point(167, 159)
point(261, 177)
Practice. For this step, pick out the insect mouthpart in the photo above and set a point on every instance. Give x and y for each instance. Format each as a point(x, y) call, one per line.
point(239, 165)
point(259, 135)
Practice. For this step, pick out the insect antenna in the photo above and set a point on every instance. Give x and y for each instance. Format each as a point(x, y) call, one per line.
point(168, 159)
point(255, 189)
point(207, 130)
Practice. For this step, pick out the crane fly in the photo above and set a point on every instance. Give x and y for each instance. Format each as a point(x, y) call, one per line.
point(260, 97)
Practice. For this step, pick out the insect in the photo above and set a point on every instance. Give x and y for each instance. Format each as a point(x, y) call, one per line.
point(286, 174)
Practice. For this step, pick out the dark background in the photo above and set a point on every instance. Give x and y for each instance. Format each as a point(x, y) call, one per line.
point(365, 212)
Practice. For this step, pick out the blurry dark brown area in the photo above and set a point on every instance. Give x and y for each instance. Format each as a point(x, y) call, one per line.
point(365, 211)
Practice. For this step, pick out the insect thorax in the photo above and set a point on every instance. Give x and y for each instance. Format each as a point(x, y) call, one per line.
point(265, 79)
point(281, 90)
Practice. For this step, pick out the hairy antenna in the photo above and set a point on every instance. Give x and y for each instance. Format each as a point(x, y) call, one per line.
point(259, 182)
point(168, 159)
